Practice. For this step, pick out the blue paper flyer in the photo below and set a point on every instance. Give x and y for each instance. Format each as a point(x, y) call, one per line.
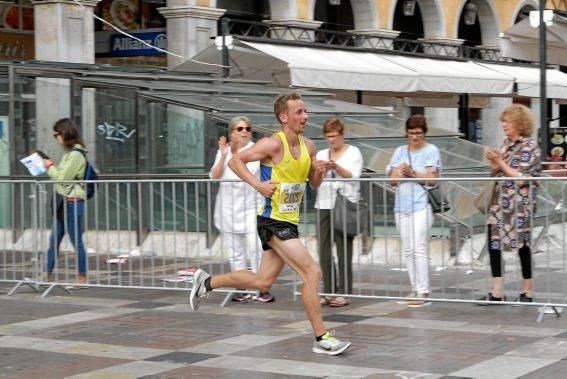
point(34, 163)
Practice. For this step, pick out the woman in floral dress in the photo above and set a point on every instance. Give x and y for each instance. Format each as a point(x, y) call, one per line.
point(513, 207)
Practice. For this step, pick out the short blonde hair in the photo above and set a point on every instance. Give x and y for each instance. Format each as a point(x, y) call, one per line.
point(521, 117)
point(334, 124)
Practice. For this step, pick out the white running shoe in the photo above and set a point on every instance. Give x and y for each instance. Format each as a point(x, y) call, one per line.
point(330, 345)
point(199, 290)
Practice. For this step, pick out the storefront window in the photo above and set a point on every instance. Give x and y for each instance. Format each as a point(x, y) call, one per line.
point(130, 14)
point(16, 15)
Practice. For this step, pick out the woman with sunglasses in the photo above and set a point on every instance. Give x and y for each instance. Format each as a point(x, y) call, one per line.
point(70, 198)
point(237, 203)
point(420, 161)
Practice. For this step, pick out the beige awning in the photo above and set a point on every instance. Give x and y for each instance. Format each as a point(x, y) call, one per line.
point(521, 41)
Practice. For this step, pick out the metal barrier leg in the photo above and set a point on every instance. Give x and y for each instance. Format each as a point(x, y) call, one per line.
point(52, 286)
point(227, 298)
point(32, 285)
point(544, 309)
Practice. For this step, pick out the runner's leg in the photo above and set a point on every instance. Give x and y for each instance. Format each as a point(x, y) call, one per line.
point(270, 268)
point(297, 257)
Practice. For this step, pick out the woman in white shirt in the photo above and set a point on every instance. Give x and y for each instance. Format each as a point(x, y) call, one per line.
point(237, 203)
point(343, 161)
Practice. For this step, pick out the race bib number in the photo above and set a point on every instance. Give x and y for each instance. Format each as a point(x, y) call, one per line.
point(290, 197)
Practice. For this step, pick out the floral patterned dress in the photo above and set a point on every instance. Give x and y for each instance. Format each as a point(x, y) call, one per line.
point(510, 216)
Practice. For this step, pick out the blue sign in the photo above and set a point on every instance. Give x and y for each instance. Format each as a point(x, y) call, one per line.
point(124, 46)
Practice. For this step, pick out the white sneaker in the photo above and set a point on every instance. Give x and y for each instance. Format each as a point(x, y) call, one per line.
point(199, 290)
point(330, 345)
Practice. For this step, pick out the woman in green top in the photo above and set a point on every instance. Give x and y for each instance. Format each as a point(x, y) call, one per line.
point(71, 197)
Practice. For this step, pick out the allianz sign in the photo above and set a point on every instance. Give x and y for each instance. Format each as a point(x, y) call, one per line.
point(123, 46)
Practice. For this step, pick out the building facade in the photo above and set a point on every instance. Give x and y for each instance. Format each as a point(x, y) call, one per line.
point(118, 32)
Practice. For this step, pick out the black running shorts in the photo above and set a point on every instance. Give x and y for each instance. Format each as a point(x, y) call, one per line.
point(281, 229)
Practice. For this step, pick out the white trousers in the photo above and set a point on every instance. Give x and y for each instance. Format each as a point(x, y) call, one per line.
point(243, 249)
point(414, 231)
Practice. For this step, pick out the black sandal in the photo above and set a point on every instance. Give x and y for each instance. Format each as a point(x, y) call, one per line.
point(489, 297)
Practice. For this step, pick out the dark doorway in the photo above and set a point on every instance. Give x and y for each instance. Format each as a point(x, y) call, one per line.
point(410, 26)
point(470, 33)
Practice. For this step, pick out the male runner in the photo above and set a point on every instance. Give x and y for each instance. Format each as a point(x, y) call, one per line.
point(286, 160)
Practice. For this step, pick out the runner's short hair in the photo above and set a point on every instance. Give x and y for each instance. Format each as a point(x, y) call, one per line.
point(280, 105)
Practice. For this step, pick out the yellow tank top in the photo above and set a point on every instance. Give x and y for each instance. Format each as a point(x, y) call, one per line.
point(291, 175)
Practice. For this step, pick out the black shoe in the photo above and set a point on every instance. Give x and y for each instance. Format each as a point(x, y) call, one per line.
point(523, 298)
point(489, 297)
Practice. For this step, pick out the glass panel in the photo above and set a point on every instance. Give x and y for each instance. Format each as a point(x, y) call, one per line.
point(172, 139)
point(116, 135)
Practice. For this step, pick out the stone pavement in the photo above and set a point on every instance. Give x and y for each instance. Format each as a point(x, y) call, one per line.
point(130, 333)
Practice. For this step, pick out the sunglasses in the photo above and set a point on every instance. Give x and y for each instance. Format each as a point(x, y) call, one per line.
point(241, 128)
point(415, 134)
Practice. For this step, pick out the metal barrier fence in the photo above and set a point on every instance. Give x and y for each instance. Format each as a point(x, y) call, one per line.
point(153, 234)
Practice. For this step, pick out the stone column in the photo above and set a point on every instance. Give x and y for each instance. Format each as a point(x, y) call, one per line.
point(376, 38)
point(492, 133)
point(446, 118)
point(190, 29)
point(64, 32)
point(441, 46)
point(294, 29)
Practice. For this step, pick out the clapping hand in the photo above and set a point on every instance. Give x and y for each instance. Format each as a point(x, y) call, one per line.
point(493, 156)
point(405, 170)
point(223, 146)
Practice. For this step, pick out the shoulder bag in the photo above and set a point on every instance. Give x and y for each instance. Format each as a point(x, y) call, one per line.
point(350, 218)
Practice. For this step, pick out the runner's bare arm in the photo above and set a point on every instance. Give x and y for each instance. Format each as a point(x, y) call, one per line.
point(318, 168)
point(263, 151)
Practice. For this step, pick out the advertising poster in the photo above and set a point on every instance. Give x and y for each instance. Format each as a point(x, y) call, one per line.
point(557, 149)
point(131, 14)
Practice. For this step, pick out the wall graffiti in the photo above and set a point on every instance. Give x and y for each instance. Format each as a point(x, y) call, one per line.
point(117, 132)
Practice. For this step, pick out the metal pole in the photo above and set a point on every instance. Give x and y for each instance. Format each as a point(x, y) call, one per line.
point(544, 126)
point(224, 31)
point(464, 115)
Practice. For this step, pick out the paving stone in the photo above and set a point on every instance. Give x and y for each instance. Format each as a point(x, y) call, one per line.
point(192, 371)
point(141, 333)
point(344, 318)
point(215, 347)
point(24, 363)
point(505, 367)
point(181, 357)
point(253, 339)
point(554, 370)
point(22, 311)
point(146, 305)
point(291, 368)
point(129, 370)
point(551, 348)
point(461, 326)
